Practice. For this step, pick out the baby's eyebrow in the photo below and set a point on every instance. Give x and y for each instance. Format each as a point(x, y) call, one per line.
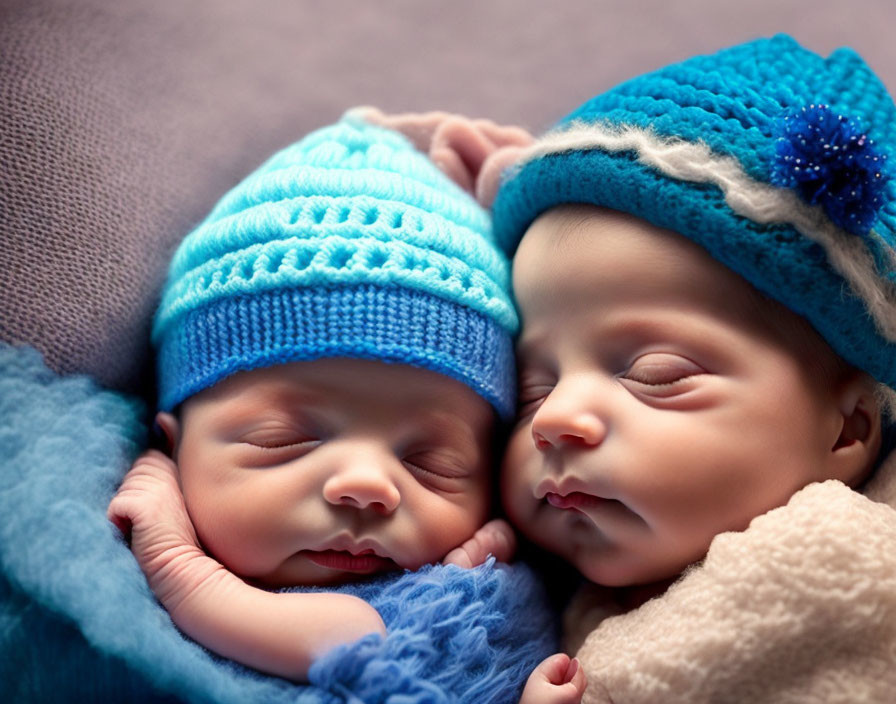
point(450, 425)
point(258, 401)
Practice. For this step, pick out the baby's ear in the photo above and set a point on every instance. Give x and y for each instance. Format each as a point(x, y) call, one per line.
point(170, 427)
point(858, 443)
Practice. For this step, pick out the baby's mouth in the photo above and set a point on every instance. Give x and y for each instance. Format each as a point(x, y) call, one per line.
point(364, 562)
point(576, 500)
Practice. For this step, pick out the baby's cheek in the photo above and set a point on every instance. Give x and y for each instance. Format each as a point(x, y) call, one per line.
point(442, 523)
point(215, 534)
point(463, 521)
point(229, 532)
point(517, 498)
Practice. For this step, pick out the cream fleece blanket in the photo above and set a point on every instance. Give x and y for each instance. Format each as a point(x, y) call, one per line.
point(800, 607)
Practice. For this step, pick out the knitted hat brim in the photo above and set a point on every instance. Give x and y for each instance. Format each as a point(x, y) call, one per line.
point(389, 324)
point(777, 259)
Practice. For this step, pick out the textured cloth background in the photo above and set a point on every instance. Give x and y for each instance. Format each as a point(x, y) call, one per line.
point(121, 123)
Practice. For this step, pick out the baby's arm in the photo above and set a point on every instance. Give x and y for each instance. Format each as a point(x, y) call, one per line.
point(557, 680)
point(278, 633)
point(494, 538)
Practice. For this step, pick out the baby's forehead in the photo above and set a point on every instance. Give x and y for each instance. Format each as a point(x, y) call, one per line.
point(342, 387)
point(586, 248)
point(617, 258)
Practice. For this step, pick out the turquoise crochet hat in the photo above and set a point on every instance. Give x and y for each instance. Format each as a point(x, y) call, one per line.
point(349, 243)
point(771, 157)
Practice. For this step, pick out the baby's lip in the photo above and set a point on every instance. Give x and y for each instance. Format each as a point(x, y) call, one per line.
point(576, 500)
point(356, 546)
point(348, 553)
point(363, 562)
point(568, 486)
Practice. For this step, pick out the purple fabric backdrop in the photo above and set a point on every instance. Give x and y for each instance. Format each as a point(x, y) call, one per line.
point(122, 122)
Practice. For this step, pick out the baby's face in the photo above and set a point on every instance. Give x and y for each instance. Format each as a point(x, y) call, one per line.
point(658, 406)
point(320, 472)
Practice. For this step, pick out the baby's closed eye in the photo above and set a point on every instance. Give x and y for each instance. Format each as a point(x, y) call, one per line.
point(533, 388)
point(275, 439)
point(276, 442)
point(659, 369)
point(442, 468)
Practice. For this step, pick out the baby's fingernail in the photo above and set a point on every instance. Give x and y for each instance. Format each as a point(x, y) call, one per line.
point(572, 669)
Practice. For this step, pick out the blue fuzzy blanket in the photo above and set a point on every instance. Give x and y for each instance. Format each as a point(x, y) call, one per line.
point(79, 623)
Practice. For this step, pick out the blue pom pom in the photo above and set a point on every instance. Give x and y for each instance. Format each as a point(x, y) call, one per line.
point(830, 161)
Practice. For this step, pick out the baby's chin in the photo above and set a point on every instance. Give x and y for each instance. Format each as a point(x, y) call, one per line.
point(622, 572)
point(606, 562)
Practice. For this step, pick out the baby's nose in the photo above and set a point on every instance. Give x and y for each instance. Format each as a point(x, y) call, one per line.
point(586, 436)
point(562, 420)
point(363, 484)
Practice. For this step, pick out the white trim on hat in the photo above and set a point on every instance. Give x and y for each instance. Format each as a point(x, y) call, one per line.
point(746, 196)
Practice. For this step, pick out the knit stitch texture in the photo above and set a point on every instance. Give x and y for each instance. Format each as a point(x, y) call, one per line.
point(349, 243)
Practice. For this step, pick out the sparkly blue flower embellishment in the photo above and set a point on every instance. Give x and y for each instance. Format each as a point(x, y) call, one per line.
point(830, 161)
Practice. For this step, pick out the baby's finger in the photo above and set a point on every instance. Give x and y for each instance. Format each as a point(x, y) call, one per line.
point(577, 675)
point(157, 464)
point(558, 679)
point(119, 518)
point(460, 557)
point(489, 177)
point(504, 135)
point(501, 540)
point(418, 127)
point(461, 136)
point(556, 668)
point(494, 538)
point(453, 166)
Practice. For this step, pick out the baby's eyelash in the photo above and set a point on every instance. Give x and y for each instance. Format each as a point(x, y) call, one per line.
point(659, 369)
point(280, 445)
point(269, 453)
point(533, 393)
point(530, 398)
point(437, 465)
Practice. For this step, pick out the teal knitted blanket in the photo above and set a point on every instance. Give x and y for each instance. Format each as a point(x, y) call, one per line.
point(79, 623)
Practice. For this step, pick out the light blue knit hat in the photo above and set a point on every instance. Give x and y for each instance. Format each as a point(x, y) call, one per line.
point(769, 156)
point(349, 243)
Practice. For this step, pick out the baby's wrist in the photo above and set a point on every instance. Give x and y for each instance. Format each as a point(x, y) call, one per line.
point(182, 573)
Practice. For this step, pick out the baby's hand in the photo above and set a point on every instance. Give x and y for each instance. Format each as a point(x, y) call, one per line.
point(472, 153)
point(557, 680)
point(149, 509)
point(494, 538)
